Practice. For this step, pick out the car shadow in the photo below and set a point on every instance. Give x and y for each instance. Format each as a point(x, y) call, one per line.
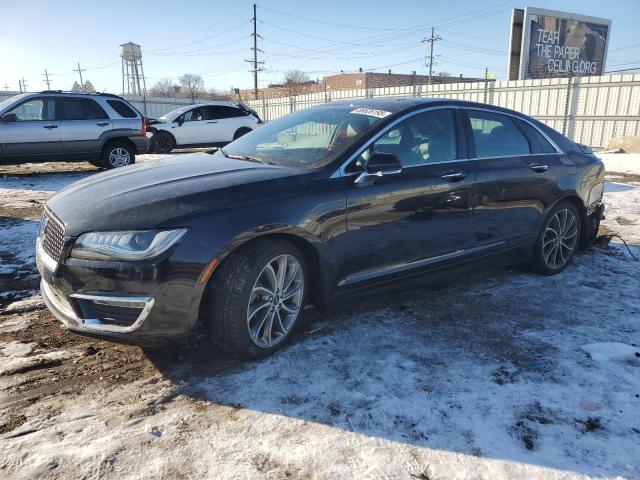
point(487, 366)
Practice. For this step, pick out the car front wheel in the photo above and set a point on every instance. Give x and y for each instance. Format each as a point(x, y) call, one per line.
point(162, 142)
point(558, 240)
point(257, 297)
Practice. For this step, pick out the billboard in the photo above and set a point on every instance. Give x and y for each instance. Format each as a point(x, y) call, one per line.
point(550, 44)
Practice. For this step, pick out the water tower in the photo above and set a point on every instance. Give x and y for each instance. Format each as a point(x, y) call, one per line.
point(132, 71)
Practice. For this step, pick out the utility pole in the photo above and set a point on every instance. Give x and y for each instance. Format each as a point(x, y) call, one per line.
point(6, 87)
point(46, 78)
point(23, 85)
point(255, 61)
point(434, 38)
point(80, 70)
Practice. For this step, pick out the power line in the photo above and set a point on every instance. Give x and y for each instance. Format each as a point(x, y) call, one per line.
point(204, 49)
point(323, 22)
point(157, 50)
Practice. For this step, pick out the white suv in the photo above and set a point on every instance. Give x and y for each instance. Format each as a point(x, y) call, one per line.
point(204, 124)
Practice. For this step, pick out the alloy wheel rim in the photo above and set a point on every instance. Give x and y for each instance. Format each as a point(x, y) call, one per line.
point(119, 157)
point(559, 240)
point(275, 301)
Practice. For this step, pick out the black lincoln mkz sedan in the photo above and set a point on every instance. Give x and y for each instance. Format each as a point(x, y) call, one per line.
point(310, 207)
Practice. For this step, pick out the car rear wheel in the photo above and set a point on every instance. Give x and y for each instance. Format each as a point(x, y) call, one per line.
point(558, 240)
point(162, 142)
point(257, 298)
point(118, 154)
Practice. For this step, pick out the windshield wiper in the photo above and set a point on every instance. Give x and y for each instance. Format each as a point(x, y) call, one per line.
point(246, 157)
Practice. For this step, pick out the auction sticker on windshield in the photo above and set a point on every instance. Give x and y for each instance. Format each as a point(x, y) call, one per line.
point(372, 112)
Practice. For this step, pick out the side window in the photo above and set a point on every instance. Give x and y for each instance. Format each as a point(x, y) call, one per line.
point(194, 115)
point(496, 135)
point(36, 109)
point(230, 112)
point(424, 138)
point(80, 109)
point(122, 109)
point(539, 144)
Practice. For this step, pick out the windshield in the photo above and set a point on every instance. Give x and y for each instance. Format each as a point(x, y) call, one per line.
point(9, 101)
point(173, 113)
point(308, 138)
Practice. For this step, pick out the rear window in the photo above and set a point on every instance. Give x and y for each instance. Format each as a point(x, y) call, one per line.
point(496, 135)
point(79, 109)
point(122, 109)
point(539, 144)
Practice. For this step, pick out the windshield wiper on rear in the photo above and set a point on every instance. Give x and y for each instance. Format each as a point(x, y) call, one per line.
point(246, 157)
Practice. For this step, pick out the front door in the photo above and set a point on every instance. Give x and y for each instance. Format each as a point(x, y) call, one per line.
point(35, 133)
point(516, 171)
point(419, 217)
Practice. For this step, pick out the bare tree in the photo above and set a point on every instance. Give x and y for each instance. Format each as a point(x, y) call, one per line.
point(76, 87)
point(163, 88)
point(88, 87)
point(295, 82)
point(194, 85)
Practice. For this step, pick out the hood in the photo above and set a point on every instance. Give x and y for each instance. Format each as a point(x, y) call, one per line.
point(166, 191)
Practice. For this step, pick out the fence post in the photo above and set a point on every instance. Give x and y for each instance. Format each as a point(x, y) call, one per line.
point(570, 106)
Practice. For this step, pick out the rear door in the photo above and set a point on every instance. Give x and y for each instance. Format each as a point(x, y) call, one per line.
point(228, 120)
point(420, 217)
point(36, 133)
point(516, 178)
point(83, 122)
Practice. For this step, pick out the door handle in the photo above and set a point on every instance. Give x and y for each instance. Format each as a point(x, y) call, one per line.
point(539, 168)
point(454, 177)
point(212, 121)
point(49, 127)
point(102, 124)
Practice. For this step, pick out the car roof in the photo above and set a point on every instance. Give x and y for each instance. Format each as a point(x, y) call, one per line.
point(401, 104)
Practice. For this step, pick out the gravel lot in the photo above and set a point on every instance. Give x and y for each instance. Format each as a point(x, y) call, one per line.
point(501, 375)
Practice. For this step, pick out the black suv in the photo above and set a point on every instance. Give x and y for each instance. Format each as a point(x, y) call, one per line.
point(104, 129)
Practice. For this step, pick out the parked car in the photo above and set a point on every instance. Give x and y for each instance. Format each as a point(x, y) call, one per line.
point(101, 128)
point(205, 124)
point(309, 208)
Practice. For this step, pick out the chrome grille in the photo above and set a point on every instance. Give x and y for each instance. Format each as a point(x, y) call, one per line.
point(52, 235)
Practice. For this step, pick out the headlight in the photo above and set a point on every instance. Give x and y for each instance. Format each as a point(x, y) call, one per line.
point(136, 245)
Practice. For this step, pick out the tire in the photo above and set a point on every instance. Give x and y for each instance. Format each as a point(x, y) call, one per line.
point(118, 154)
point(240, 303)
point(551, 256)
point(240, 132)
point(162, 142)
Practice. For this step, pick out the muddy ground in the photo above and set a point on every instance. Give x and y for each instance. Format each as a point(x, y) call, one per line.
point(483, 378)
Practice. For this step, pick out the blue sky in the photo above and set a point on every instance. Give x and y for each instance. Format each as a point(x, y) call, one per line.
point(212, 38)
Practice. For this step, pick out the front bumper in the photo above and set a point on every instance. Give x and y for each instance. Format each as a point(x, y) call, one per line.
point(135, 303)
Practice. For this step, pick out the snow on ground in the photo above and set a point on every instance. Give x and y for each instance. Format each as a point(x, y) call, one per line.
point(621, 162)
point(498, 376)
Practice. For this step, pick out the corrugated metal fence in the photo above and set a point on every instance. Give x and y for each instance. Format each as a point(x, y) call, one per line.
point(590, 110)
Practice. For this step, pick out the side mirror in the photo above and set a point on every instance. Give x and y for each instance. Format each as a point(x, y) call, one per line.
point(378, 166)
point(9, 117)
point(180, 120)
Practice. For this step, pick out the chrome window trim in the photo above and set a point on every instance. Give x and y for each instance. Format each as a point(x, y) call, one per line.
point(340, 172)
